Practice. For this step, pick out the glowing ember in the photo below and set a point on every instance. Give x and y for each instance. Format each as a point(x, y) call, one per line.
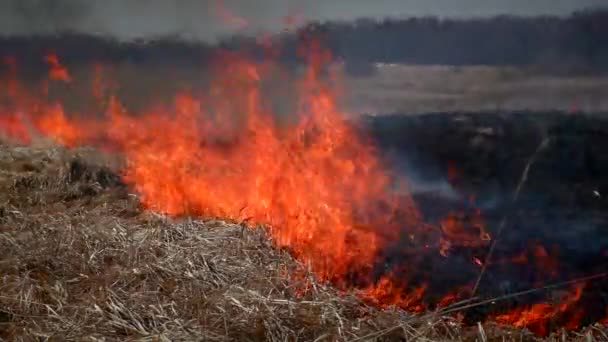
point(463, 231)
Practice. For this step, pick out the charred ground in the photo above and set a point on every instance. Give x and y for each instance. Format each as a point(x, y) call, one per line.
point(476, 162)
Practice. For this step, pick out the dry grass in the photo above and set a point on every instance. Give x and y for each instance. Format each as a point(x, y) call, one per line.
point(423, 89)
point(80, 260)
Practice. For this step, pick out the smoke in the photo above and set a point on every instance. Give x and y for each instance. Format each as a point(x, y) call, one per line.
point(127, 20)
point(206, 19)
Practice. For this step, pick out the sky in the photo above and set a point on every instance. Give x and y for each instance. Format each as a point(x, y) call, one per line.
point(209, 19)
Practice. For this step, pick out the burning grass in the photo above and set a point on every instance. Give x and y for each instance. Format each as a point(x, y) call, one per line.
point(80, 259)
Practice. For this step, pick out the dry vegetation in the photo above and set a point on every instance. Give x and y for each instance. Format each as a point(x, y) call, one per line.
point(80, 260)
point(423, 89)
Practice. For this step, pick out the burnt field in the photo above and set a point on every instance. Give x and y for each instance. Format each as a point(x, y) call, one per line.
point(538, 179)
point(485, 154)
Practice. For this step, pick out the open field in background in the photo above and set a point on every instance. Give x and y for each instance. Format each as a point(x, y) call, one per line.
point(426, 89)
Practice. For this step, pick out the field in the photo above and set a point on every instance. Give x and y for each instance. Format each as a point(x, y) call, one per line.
point(427, 89)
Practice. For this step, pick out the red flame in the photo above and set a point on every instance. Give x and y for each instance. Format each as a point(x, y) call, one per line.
point(537, 316)
point(13, 128)
point(57, 72)
point(462, 230)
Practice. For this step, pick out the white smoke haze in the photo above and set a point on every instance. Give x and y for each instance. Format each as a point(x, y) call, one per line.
point(199, 19)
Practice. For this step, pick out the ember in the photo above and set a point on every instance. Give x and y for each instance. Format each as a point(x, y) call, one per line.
point(321, 187)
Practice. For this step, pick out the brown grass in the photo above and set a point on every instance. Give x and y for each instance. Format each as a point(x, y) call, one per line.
point(422, 89)
point(81, 260)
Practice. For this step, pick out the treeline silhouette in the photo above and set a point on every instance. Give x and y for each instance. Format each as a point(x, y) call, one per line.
point(578, 41)
point(583, 37)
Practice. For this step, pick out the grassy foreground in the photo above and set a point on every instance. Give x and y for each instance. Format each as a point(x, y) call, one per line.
point(81, 260)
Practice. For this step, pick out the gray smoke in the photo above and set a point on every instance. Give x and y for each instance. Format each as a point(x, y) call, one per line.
point(199, 19)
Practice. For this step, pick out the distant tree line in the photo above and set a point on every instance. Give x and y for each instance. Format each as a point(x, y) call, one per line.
point(577, 41)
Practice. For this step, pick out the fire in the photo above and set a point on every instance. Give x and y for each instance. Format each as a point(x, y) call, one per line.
point(537, 316)
point(386, 293)
point(13, 128)
point(311, 184)
point(464, 231)
point(318, 185)
point(57, 71)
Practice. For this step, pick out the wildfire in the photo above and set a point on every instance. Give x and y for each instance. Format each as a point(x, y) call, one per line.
point(318, 186)
point(537, 316)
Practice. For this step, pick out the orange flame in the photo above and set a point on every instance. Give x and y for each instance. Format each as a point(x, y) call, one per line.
point(463, 230)
point(13, 128)
point(385, 293)
point(57, 72)
point(311, 188)
point(537, 317)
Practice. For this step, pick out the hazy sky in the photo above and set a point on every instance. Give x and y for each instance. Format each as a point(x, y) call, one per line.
point(201, 19)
